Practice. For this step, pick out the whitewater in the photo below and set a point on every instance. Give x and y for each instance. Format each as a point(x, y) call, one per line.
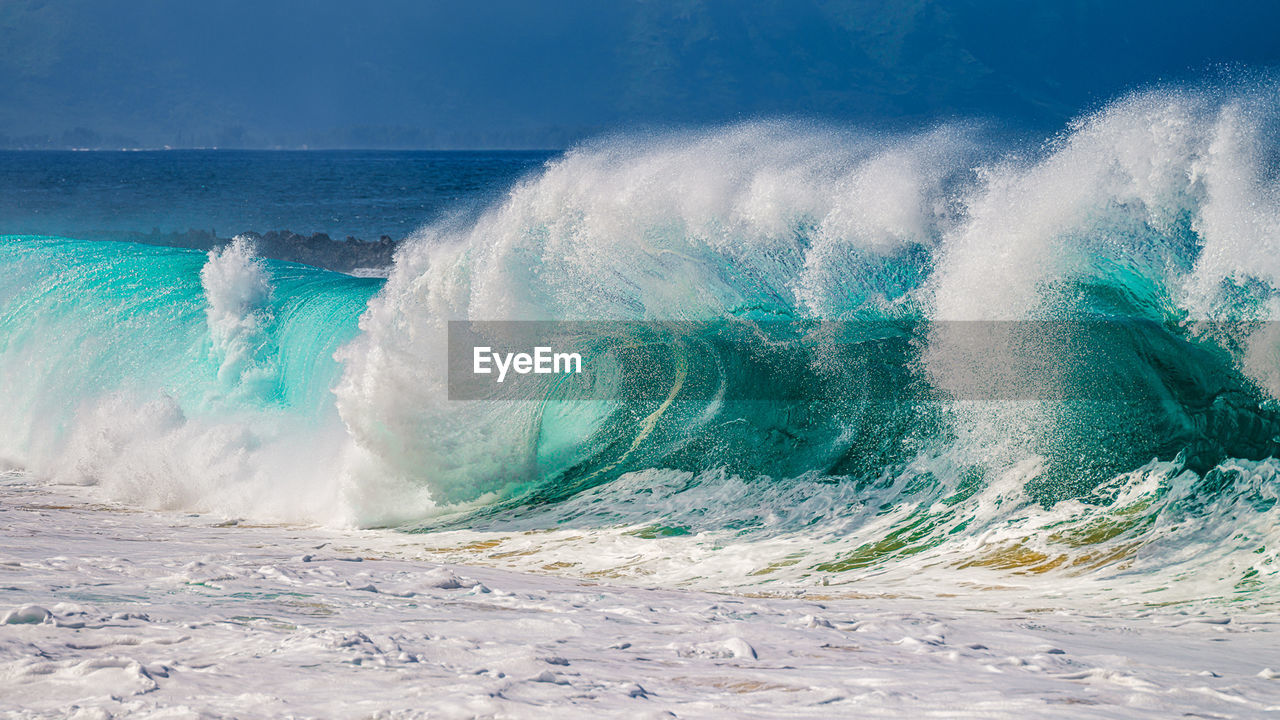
point(1038, 378)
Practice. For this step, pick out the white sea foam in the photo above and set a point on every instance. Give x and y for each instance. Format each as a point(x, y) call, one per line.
point(260, 621)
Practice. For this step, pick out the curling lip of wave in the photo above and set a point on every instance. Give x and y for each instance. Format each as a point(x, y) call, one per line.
point(1119, 217)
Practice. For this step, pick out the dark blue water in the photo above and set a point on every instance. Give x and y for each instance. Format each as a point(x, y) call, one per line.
point(365, 194)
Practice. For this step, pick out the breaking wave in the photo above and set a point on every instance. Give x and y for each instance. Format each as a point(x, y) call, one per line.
point(1143, 237)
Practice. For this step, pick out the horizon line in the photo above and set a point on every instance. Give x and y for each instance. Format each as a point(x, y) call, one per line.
point(281, 149)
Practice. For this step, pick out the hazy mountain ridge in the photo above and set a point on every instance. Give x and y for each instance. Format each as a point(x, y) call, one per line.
point(400, 74)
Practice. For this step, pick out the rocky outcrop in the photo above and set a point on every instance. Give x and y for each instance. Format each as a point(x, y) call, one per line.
point(352, 255)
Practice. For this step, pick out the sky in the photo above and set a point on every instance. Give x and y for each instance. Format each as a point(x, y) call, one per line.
point(545, 74)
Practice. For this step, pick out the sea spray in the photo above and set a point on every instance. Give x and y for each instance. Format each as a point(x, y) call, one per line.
point(238, 291)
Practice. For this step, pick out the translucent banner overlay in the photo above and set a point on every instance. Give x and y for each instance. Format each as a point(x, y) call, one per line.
point(740, 360)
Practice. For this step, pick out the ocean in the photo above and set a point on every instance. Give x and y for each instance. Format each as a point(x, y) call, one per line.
point(179, 379)
point(361, 194)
